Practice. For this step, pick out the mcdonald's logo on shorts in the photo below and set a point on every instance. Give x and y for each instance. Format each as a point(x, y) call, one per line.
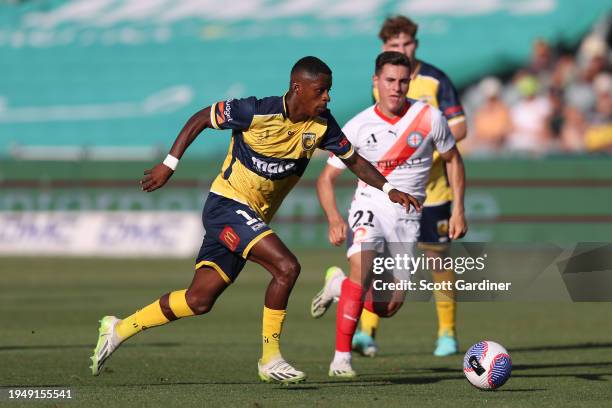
point(229, 237)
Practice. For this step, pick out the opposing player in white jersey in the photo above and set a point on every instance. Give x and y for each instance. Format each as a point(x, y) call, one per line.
point(398, 136)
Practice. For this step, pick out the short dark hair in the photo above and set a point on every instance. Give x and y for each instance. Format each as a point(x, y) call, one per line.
point(395, 25)
point(312, 66)
point(393, 58)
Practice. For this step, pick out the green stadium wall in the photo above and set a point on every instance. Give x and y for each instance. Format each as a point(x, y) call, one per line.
point(520, 200)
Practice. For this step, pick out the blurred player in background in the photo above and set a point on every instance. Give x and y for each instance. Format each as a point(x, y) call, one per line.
point(273, 140)
point(400, 136)
point(431, 85)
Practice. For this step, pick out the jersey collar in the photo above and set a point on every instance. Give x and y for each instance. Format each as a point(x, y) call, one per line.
point(396, 119)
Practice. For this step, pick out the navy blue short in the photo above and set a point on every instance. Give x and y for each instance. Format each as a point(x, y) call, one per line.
point(434, 226)
point(231, 230)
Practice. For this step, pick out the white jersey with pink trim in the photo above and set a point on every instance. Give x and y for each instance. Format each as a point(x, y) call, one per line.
point(400, 148)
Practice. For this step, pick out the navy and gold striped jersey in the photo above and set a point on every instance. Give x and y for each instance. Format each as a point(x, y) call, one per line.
point(269, 153)
point(431, 85)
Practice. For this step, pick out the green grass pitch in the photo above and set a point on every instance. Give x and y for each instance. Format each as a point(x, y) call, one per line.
point(562, 352)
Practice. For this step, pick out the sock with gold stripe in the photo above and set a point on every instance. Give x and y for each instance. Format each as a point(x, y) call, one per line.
point(272, 328)
point(445, 303)
point(153, 315)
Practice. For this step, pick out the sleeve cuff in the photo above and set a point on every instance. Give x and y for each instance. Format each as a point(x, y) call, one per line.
point(347, 154)
point(455, 120)
point(335, 162)
point(213, 119)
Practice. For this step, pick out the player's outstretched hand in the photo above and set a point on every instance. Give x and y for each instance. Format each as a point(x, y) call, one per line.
point(336, 232)
point(457, 226)
point(404, 199)
point(156, 177)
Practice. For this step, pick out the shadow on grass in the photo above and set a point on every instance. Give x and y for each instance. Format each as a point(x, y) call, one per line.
point(521, 390)
point(81, 346)
point(419, 375)
point(519, 367)
point(527, 349)
point(579, 346)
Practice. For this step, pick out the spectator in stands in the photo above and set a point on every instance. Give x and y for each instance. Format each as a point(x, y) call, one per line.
point(542, 62)
point(491, 120)
point(530, 118)
point(599, 132)
point(592, 60)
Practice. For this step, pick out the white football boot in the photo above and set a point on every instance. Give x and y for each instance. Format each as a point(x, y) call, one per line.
point(108, 341)
point(279, 371)
point(330, 292)
point(341, 368)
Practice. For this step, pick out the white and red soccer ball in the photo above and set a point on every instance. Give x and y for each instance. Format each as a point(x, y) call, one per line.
point(487, 365)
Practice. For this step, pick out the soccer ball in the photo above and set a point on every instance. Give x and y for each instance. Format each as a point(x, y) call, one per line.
point(487, 365)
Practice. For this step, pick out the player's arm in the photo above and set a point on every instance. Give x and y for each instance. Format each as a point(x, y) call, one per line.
point(368, 174)
point(451, 107)
point(326, 192)
point(459, 129)
point(158, 176)
point(456, 173)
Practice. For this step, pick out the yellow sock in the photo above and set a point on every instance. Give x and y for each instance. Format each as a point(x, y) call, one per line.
point(272, 328)
point(152, 315)
point(178, 304)
point(369, 322)
point(445, 303)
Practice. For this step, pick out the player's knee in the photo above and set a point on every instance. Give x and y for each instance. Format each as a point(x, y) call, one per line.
point(288, 272)
point(199, 304)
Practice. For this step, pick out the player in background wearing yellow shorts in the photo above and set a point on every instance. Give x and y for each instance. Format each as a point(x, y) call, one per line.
point(429, 84)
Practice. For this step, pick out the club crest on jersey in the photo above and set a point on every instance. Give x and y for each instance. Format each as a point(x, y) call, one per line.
point(308, 140)
point(414, 139)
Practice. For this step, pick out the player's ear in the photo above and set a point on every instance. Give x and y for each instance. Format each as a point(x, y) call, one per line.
point(296, 88)
point(375, 80)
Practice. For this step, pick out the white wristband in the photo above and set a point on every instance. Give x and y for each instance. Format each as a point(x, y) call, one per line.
point(387, 187)
point(171, 162)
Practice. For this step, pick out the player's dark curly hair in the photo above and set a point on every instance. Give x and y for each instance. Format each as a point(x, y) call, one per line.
point(312, 66)
point(393, 58)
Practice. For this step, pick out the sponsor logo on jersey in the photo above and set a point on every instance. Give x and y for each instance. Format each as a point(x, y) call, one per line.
point(371, 142)
point(414, 139)
point(272, 168)
point(229, 237)
point(400, 163)
point(308, 140)
point(227, 110)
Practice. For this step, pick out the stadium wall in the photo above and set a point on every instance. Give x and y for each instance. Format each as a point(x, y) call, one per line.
point(97, 208)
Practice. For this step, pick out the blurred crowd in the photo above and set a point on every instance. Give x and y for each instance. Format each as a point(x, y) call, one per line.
point(559, 103)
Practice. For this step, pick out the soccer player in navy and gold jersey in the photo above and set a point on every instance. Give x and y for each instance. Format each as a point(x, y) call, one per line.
point(272, 141)
point(430, 84)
